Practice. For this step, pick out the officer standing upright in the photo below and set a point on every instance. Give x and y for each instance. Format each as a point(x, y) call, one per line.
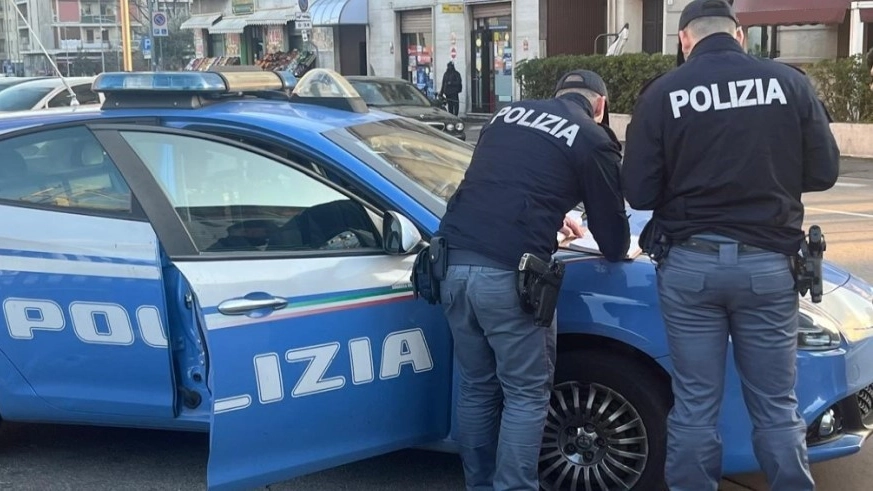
point(534, 162)
point(721, 149)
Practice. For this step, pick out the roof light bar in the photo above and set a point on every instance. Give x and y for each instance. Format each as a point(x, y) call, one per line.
point(190, 82)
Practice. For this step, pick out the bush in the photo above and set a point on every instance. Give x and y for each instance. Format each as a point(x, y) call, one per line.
point(844, 86)
point(624, 75)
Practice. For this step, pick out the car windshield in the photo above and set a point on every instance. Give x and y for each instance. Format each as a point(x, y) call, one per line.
point(383, 93)
point(431, 164)
point(23, 97)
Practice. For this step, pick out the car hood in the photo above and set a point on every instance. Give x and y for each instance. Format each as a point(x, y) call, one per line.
point(421, 113)
point(833, 276)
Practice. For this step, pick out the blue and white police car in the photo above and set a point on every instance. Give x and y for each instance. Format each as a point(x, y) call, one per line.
point(213, 252)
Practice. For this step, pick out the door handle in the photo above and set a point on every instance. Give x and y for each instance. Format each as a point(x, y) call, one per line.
point(237, 306)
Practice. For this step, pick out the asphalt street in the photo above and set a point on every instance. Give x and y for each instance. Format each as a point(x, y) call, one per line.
point(48, 457)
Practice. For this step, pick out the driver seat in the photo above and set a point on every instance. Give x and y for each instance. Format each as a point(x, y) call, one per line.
point(320, 223)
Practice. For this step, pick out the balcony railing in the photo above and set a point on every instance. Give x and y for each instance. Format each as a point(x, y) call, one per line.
point(98, 19)
point(77, 44)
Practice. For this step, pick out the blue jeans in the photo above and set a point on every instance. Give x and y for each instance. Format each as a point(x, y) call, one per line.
point(706, 297)
point(505, 364)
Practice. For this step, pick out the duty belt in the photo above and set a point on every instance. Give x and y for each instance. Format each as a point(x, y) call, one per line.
point(713, 247)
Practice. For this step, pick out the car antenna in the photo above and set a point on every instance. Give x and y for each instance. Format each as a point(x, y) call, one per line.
point(73, 100)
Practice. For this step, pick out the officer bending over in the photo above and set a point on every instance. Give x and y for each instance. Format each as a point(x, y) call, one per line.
point(534, 162)
point(721, 149)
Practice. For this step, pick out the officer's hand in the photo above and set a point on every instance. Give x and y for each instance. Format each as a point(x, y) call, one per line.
point(572, 228)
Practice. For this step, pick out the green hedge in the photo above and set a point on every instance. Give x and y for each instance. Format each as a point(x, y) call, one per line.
point(843, 84)
point(624, 75)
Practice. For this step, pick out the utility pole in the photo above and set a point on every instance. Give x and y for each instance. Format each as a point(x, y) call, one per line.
point(151, 33)
point(102, 48)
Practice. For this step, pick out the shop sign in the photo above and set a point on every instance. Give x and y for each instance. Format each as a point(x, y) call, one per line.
point(198, 43)
point(232, 45)
point(239, 7)
point(275, 39)
point(453, 8)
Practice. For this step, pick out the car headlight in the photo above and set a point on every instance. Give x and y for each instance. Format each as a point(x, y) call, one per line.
point(450, 127)
point(817, 331)
point(460, 126)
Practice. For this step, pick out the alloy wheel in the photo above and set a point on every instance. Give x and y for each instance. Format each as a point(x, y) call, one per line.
point(593, 440)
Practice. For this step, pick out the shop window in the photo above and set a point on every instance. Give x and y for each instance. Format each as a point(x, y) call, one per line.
point(418, 62)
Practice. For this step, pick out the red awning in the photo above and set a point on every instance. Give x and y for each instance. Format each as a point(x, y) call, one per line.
point(790, 12)
point(866, 15)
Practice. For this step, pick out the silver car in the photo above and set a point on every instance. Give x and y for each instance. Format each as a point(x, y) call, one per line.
point(47, 93)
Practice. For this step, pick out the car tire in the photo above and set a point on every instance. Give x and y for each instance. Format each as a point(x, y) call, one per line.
point(580, 444)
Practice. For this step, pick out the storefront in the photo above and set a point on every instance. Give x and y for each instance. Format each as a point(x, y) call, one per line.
point(417, 48)
point(227, 38)
point(200, 24)
point(491, 70)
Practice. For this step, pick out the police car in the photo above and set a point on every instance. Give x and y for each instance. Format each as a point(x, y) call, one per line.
point(213, 252)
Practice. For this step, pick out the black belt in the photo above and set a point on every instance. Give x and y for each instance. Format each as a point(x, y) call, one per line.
point(463, 257)
point(714, 247)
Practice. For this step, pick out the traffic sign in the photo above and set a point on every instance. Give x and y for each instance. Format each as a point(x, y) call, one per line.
point(303, 21)
point(146, 48)
point(453, 53)
point(159, 24)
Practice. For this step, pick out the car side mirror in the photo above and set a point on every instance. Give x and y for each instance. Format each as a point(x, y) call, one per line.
point(401, 236)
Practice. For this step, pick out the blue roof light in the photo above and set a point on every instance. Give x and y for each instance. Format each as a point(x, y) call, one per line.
point(156, 81)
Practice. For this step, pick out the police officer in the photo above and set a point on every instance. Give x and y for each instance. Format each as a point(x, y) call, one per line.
point(721, 149)
point(534, 162)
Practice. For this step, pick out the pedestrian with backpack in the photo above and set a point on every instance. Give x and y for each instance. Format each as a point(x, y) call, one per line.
point(452, 86)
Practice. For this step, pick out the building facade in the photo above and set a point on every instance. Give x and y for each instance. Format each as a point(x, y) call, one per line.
point(416, 39)
point(266, 32)
point(70, 31)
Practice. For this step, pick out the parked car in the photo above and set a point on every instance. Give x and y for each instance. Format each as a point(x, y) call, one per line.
point(45, 93)
point(397, 96)
point(200, 255)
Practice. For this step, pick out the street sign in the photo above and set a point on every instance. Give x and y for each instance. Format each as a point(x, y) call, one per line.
point(303, 21)
point(146, 48)
point(159, 24)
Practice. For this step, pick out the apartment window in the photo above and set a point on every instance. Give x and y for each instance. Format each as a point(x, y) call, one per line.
point(89, 35)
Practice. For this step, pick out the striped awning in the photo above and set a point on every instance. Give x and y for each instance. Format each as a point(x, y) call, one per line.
point(272, 17)
point(339, 12)
point(200, 21)
point(230, 25)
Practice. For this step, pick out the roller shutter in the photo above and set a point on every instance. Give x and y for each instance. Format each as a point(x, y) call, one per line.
point(501, 9)
point(415, 21)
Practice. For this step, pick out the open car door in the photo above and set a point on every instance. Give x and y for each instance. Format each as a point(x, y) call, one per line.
point(318, 355)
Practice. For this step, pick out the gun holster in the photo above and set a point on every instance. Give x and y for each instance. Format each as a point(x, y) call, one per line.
point(653, 242)
point(429, 270)
point(539, 284)
point(807, 266)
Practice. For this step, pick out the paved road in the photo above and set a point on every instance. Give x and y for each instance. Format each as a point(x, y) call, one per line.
point(52, 458)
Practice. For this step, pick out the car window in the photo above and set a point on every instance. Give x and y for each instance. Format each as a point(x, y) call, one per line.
point(234, 200)
point(379, 93)
point(429, 158)
point(22, 97)
point(83, 96)
point(65, 168)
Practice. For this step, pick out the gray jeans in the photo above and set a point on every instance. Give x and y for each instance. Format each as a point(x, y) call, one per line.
point(505, 364)
point(706, 297)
